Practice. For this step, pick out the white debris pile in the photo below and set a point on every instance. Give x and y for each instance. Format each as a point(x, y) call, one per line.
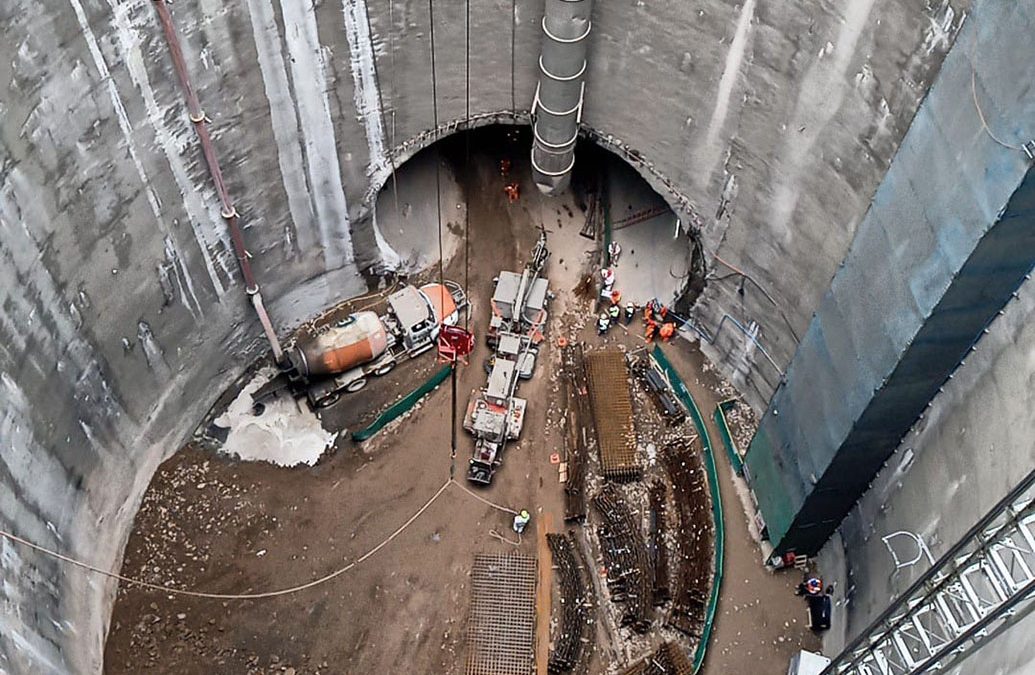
point(285, 434)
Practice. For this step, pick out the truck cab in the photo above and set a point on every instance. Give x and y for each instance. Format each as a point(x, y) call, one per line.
point(417, 313)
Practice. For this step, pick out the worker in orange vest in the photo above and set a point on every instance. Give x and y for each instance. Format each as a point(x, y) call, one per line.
point(667, 331)
point(616, 297)
point(651, 329)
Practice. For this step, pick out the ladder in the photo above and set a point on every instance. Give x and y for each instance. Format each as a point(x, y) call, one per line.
point(981, 587)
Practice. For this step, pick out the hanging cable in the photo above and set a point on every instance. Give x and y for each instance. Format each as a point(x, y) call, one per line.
point(438, 173)
point(391, 51)
point(467, 159)
point(981, 114)
point(513, 41)
point(441, 248)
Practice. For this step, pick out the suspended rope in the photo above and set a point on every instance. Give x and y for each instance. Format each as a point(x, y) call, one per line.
point(252, 596)
point(467, 157)
point(513, 40)
point(438, 173)
point(441, 248)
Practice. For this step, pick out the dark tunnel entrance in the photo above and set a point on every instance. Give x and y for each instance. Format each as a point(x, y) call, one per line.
point(658, 258)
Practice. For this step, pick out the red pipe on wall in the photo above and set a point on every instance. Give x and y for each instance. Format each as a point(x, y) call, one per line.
point(229, 213)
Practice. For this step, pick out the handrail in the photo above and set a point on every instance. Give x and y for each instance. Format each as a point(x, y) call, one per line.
point(727, 435)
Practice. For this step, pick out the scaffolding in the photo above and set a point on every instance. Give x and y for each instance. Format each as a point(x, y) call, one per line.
point(977, 590)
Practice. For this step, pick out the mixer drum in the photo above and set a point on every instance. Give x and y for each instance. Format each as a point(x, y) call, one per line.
point(359, 339)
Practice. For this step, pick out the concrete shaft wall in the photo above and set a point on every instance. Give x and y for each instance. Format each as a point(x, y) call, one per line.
point(121, 310)
point(946, 241)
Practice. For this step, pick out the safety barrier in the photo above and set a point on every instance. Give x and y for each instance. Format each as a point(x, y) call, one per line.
point(713, 487)
point(402, 406)
point(727, 437)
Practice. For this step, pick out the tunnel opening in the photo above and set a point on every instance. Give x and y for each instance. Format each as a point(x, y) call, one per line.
point(606, 190)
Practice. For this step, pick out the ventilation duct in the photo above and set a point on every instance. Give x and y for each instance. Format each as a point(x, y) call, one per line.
point(557, 108)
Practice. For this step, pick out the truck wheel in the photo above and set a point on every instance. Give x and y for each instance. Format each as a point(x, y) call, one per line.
point(356, 385)
point(384, 369)
point(328, 402)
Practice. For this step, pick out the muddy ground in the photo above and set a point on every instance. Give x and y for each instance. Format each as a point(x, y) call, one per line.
point(214, 524)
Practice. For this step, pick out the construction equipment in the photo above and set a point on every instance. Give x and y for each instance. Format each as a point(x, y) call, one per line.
point(342, 356)
point(495, 414)
point(519, 300)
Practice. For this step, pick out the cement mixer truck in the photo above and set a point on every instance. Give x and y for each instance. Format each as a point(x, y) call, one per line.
point(342, 356)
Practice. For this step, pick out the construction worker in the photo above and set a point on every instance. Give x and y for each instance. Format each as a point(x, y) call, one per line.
point(616, 297)
point(613, 312)
point(513, 192)
point(648, 312)
point(521, 521)
point(613, 251)
point(811, 586)
point(630, 312)
point(667, 330)
point(651, 329)
point(603, 323)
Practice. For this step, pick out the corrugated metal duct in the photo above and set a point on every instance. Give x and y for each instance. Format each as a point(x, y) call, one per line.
point(557, 108)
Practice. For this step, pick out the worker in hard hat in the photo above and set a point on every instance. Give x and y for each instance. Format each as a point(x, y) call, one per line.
point(667, 330)
point(607, 275)
point(651, 330)
point(603, 323)
point(613, 251)
point(616, 297)
point(513, 191)
point(613, 312)
point(630, 312)
point(521, 521)
point(811, 586)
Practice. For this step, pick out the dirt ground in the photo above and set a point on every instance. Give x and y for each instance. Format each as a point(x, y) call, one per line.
point(214, 524)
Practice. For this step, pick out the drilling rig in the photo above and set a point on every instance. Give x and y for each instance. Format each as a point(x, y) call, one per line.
point(495, 414)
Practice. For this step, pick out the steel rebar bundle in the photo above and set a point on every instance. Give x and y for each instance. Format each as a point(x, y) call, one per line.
point(629, 577)
point(576, 609)
point(693, 564)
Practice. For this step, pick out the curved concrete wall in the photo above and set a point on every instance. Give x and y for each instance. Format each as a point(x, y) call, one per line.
point(121, 311)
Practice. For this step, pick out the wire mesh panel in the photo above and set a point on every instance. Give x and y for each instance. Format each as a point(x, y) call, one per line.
point(501, 627)
point(613, 414)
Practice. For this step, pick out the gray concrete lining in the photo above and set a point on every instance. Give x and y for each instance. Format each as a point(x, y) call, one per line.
point(108, 220)
point(967, 451)
point(935, 258)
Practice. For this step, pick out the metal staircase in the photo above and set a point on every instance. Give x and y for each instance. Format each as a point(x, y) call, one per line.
point(983, 585)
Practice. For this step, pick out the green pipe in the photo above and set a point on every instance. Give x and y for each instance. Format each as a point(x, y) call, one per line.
point(713, 487)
